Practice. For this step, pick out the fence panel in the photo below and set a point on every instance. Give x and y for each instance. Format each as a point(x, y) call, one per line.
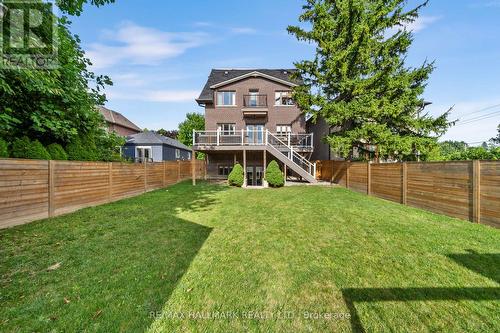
point(24, 186)
point(443, 187)
point(79, 184)
point(468, 190)
point(358, 177)
point(127, 180)
point(386, 181)
point(154, 177)
point(490, 193)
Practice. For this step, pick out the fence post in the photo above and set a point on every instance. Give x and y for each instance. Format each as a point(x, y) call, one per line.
point(205, 166)
point(369, 178)
point(476, 191)
point(51, 180)
point(404, 185)
point(178, 170)
point(164, 170)
point(145, 175)
point(110, 181)
point(347, 174)
point(193, 167)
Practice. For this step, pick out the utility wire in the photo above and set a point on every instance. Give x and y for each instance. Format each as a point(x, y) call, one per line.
point(479, 118)
point(481, 110)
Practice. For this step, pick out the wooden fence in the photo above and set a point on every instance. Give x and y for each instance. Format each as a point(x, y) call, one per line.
point(468, 190)
point(32, 189)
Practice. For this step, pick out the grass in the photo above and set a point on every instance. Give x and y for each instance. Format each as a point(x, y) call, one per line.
point(213, 259)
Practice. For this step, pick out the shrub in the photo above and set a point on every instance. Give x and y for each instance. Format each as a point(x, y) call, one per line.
point(37, 151)
point(20, 147)
point(4, 151)
point(274, 176)
point(57, 152)
point(236, 177)
point(82, 149)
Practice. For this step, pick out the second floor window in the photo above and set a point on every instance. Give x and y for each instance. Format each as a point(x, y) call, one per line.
point(227, 129)
point(226, 98)
point(283, 98)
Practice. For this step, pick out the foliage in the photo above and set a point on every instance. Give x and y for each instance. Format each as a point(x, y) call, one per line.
point(274, 176)
point(54, 105)
point(4, 148)
point(496, 140)
point(448, 148)
point(82, 149)
point(194, 121)
point(25, 148)
point(236, 176)
point(168, 133)
point(20, 147)
point(56, 152)
point(75, 7)
point(476, 153)
point(359, 82)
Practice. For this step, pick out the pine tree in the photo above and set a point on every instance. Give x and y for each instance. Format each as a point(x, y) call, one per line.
point(358, 81)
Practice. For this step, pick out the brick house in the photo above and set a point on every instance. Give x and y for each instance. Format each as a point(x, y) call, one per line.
point(250, 118)
point(118, 123)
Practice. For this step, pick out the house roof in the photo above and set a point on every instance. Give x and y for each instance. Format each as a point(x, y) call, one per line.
point(219, 77)
point(152, 138)
point(117, 118)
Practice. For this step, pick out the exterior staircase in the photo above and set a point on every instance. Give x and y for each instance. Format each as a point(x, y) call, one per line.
point(291, 158)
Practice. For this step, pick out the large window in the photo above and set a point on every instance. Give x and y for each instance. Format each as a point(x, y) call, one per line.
point(283, 130)
point(143, 154)
point(283, 98)
point(226, 98)
point(177, 153)
point(227, 129)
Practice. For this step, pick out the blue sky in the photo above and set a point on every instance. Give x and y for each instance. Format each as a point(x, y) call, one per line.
point(159, 54)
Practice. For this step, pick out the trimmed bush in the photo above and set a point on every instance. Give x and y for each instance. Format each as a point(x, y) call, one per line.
point(236, 177)
point(82, 149)
point(57, 152)
point(274, 176)
point(24, 148)
point(37, 151)
point(4, 148)
point(20, 147)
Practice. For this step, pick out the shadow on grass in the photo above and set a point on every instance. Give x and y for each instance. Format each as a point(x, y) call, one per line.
point(119, 263)
point(487, 265)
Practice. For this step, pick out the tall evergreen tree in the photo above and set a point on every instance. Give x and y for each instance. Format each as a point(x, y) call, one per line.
point(358, 80)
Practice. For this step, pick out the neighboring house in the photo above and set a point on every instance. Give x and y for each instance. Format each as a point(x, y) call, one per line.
point(118, 123)
point(250, 118)
point(153, 147)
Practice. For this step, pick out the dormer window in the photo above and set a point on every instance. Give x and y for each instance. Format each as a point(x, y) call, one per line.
point(226, 98)
point(283, 98)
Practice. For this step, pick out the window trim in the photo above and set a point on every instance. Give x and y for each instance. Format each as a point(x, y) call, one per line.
point(288, 127)
point(225, 105)
point(177, 153)
point(228, 132)
point(144, 148)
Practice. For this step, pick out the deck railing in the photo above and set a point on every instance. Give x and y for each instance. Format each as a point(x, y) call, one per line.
point(301, 141)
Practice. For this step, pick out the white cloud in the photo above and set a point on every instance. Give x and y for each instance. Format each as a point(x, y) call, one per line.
point(421, 23)
point(135, 44)
point(243, 30)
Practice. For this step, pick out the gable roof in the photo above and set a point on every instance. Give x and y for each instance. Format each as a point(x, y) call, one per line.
point(117, 118)
point(152, 138)
point(219, 77)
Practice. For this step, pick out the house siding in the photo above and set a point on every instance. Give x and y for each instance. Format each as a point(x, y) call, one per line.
point(159, 152)
point(277, 115)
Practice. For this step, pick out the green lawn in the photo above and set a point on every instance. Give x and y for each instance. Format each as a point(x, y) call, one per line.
point(214, 259)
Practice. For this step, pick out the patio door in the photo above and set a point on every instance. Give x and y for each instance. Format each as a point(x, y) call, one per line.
point(254, 175)
point(255, 134)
